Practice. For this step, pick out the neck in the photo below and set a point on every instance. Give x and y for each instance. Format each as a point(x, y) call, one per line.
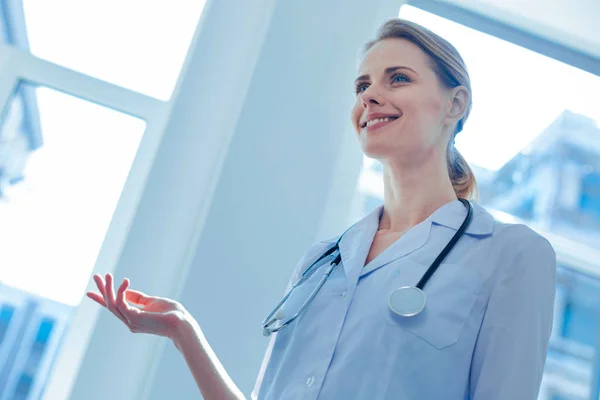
point(411, 195)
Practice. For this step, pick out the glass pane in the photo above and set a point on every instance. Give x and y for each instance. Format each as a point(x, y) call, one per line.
point(538, 163)
point(533, 140)
point(533, 137)
point(59, 199)
point(137, 44)
point(63, 164)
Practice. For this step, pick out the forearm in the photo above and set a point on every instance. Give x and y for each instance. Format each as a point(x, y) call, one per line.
point(207, 370)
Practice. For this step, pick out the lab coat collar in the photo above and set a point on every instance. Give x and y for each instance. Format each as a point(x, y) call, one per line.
point(452, 215)
point(356, 243)
point(411, 241)
point(368, 223)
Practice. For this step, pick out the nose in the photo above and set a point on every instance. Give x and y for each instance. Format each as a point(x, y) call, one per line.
point(371, 96)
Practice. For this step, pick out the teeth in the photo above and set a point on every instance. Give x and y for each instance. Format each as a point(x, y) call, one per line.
point(374, 121)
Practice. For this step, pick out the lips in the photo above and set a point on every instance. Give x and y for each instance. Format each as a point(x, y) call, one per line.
point(373, 124)
point(377, 118)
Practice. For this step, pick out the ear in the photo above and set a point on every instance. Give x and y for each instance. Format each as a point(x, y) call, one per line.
point(458, 102)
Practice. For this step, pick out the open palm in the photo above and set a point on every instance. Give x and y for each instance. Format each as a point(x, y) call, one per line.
point(140, 312)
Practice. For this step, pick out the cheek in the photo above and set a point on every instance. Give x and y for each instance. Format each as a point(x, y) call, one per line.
point(424, 113)
point(426, 106)
point(432, 108)
point(355, 115)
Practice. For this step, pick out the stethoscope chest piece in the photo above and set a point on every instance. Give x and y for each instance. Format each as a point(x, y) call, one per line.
point(407, 301)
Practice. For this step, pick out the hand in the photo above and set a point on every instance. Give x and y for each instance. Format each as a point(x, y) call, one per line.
point(148, 314)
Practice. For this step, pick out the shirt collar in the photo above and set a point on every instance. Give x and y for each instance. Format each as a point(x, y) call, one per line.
point(369, 223)
point(450, 215)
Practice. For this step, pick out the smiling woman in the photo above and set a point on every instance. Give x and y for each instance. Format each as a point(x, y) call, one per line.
point(469, 272)
point(442, 69)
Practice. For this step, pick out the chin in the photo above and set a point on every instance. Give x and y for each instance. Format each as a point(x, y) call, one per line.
point(398, 154)
point(377, 146)
point(378, 151)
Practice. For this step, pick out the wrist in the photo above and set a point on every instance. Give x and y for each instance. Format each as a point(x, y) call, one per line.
point(186, 328)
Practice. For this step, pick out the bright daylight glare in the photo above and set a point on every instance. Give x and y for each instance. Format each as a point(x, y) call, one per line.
point(54, 222)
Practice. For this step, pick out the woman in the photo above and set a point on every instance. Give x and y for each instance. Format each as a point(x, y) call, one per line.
point(481, 329)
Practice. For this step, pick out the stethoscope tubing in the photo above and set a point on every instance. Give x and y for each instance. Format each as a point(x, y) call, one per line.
point(272, 317)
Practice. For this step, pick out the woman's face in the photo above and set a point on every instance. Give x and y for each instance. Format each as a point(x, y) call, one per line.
point(401, 106)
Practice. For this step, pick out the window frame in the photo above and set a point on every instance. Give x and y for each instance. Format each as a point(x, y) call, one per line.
point(510, 33)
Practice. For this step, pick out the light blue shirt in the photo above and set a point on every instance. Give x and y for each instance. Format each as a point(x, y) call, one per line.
point(482, 336)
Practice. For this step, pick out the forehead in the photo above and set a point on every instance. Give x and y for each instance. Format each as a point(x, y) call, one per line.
point(393, 52)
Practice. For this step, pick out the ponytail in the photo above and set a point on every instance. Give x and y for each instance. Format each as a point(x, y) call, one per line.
point(462, 177)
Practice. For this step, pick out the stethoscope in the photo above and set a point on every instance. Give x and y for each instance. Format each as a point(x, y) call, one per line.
point(406, 301)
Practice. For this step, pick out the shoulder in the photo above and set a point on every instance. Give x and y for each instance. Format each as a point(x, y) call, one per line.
point(516, 250)
point(519, 239)
point(512, 237)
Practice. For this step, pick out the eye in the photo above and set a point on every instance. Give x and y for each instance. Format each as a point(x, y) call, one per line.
point(399, 78)
point(361, 87)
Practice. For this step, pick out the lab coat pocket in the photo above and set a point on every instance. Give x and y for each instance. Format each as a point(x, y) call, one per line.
point(450, 295)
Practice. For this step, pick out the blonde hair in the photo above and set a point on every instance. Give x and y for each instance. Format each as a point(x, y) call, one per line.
point(452, 72)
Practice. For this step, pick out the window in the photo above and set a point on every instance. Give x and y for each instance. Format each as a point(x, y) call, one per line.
point(83, 115)
point(63, 164)
point(535, 154)
point(533, 141)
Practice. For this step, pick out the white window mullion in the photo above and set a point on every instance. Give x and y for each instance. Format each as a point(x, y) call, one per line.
point(44, 73)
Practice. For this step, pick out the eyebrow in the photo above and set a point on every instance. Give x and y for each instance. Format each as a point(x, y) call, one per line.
point(388, 71)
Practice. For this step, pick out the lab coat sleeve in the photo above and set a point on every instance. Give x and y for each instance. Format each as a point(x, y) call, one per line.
point(510, 352)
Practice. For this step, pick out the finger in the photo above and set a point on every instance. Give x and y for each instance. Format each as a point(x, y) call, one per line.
point(97, 298)
point(110, 299)
point(121, 291)
point(122, 306)
point(109, 293)
point(100, 283)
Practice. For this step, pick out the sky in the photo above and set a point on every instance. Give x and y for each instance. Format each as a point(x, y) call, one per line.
point(55, 222)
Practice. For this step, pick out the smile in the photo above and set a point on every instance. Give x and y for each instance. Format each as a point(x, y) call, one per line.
point(377, 123)
point(377, 120)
